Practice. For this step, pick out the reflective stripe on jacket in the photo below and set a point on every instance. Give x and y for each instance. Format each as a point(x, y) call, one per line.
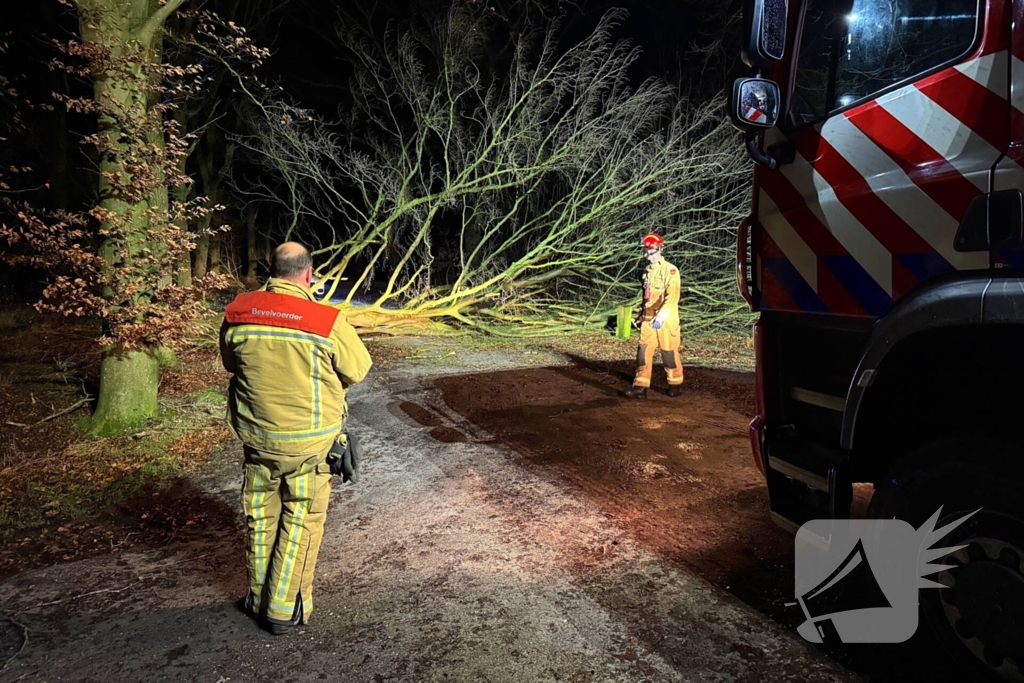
point(291, 360)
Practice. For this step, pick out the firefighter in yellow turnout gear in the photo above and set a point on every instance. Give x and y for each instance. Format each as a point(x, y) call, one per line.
point(291, 361)
point(660, 327)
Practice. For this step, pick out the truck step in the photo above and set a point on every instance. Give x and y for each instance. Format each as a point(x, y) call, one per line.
point(819, 399)
point(806, 482)
point(816, 480)
point(805, 462)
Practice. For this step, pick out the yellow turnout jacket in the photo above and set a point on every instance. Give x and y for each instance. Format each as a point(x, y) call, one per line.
point(291, 360)
point(661, 291)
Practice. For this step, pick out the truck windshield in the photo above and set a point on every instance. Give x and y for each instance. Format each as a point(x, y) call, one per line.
point(852, 49)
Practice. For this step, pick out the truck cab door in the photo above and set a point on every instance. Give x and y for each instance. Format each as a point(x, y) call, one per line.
point(897, 113)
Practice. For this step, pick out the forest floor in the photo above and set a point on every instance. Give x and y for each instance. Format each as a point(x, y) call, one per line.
point(65, 497)
point(517, 519)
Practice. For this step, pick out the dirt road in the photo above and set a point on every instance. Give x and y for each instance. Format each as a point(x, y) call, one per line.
point(676, 474)
point(473, 549)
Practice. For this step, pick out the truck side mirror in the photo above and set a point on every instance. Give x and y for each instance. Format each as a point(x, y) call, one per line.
point(765, 24)
point(754, 104)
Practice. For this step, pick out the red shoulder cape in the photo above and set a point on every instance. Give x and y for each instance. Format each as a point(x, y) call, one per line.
point(281, 310)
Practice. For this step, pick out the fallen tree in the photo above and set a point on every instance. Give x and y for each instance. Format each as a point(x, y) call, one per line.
point(514, 197)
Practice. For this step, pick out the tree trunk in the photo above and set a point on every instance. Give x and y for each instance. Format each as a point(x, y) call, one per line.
point(252, 251)
point(183, 277)
point(216, 263)
point(207, 245)
point(181, 193)
point(199, 267)
point(128, 389)
point(184, 274)
point(132, 32)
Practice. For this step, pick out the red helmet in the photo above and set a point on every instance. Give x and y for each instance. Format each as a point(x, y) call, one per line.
point(653, 240)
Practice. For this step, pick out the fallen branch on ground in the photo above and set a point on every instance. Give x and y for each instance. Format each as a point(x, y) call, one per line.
point(83, 595)
point(51, 417)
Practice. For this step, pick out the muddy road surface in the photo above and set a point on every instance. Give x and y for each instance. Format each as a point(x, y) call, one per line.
point(677, 473)
point(512, 523)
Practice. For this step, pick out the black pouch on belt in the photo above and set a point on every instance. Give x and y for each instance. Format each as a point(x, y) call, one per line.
point(344, 458)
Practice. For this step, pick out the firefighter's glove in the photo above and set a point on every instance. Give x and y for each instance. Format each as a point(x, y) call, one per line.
point(658, 322)
point(344, 458)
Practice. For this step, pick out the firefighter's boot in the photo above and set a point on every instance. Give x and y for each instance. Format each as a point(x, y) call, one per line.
point(674, 390)
point(636, 392)
point(279, 628)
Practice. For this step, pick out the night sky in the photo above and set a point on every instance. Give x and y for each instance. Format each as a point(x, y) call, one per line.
point(306, 60)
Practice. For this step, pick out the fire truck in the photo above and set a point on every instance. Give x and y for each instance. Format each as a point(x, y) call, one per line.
point(884, 254)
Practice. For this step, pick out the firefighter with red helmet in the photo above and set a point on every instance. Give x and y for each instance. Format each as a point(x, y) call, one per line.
point(659, 330)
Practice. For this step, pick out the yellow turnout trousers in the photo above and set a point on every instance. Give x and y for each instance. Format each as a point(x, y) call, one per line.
point(285, 499)
point(667, 340)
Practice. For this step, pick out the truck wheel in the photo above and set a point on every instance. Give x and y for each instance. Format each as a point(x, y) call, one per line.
point(979, 618)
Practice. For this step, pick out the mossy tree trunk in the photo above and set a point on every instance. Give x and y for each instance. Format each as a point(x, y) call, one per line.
point(128, 390)
point(128, 33)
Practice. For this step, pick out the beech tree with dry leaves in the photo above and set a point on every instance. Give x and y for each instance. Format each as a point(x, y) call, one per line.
point(117, 261)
